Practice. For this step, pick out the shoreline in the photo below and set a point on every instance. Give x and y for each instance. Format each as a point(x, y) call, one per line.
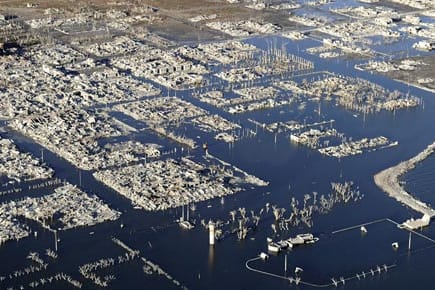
point(388, 181)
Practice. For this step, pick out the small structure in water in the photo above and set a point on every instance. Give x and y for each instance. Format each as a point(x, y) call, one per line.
point(264, 256)
point(211, 233)
point(301, 239)
point(414, 224)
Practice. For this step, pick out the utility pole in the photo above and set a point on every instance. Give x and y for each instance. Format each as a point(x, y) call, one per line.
point(55, 240)
point(285, 264)
point(409, 242)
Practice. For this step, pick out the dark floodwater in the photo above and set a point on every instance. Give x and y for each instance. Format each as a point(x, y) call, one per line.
point(292, 171)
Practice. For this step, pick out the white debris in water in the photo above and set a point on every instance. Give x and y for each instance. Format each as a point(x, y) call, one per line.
point(74, 207)
point(19, 166)
point(170, 183)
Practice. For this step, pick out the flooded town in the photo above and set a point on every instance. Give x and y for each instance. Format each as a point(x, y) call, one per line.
point(210, 144)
